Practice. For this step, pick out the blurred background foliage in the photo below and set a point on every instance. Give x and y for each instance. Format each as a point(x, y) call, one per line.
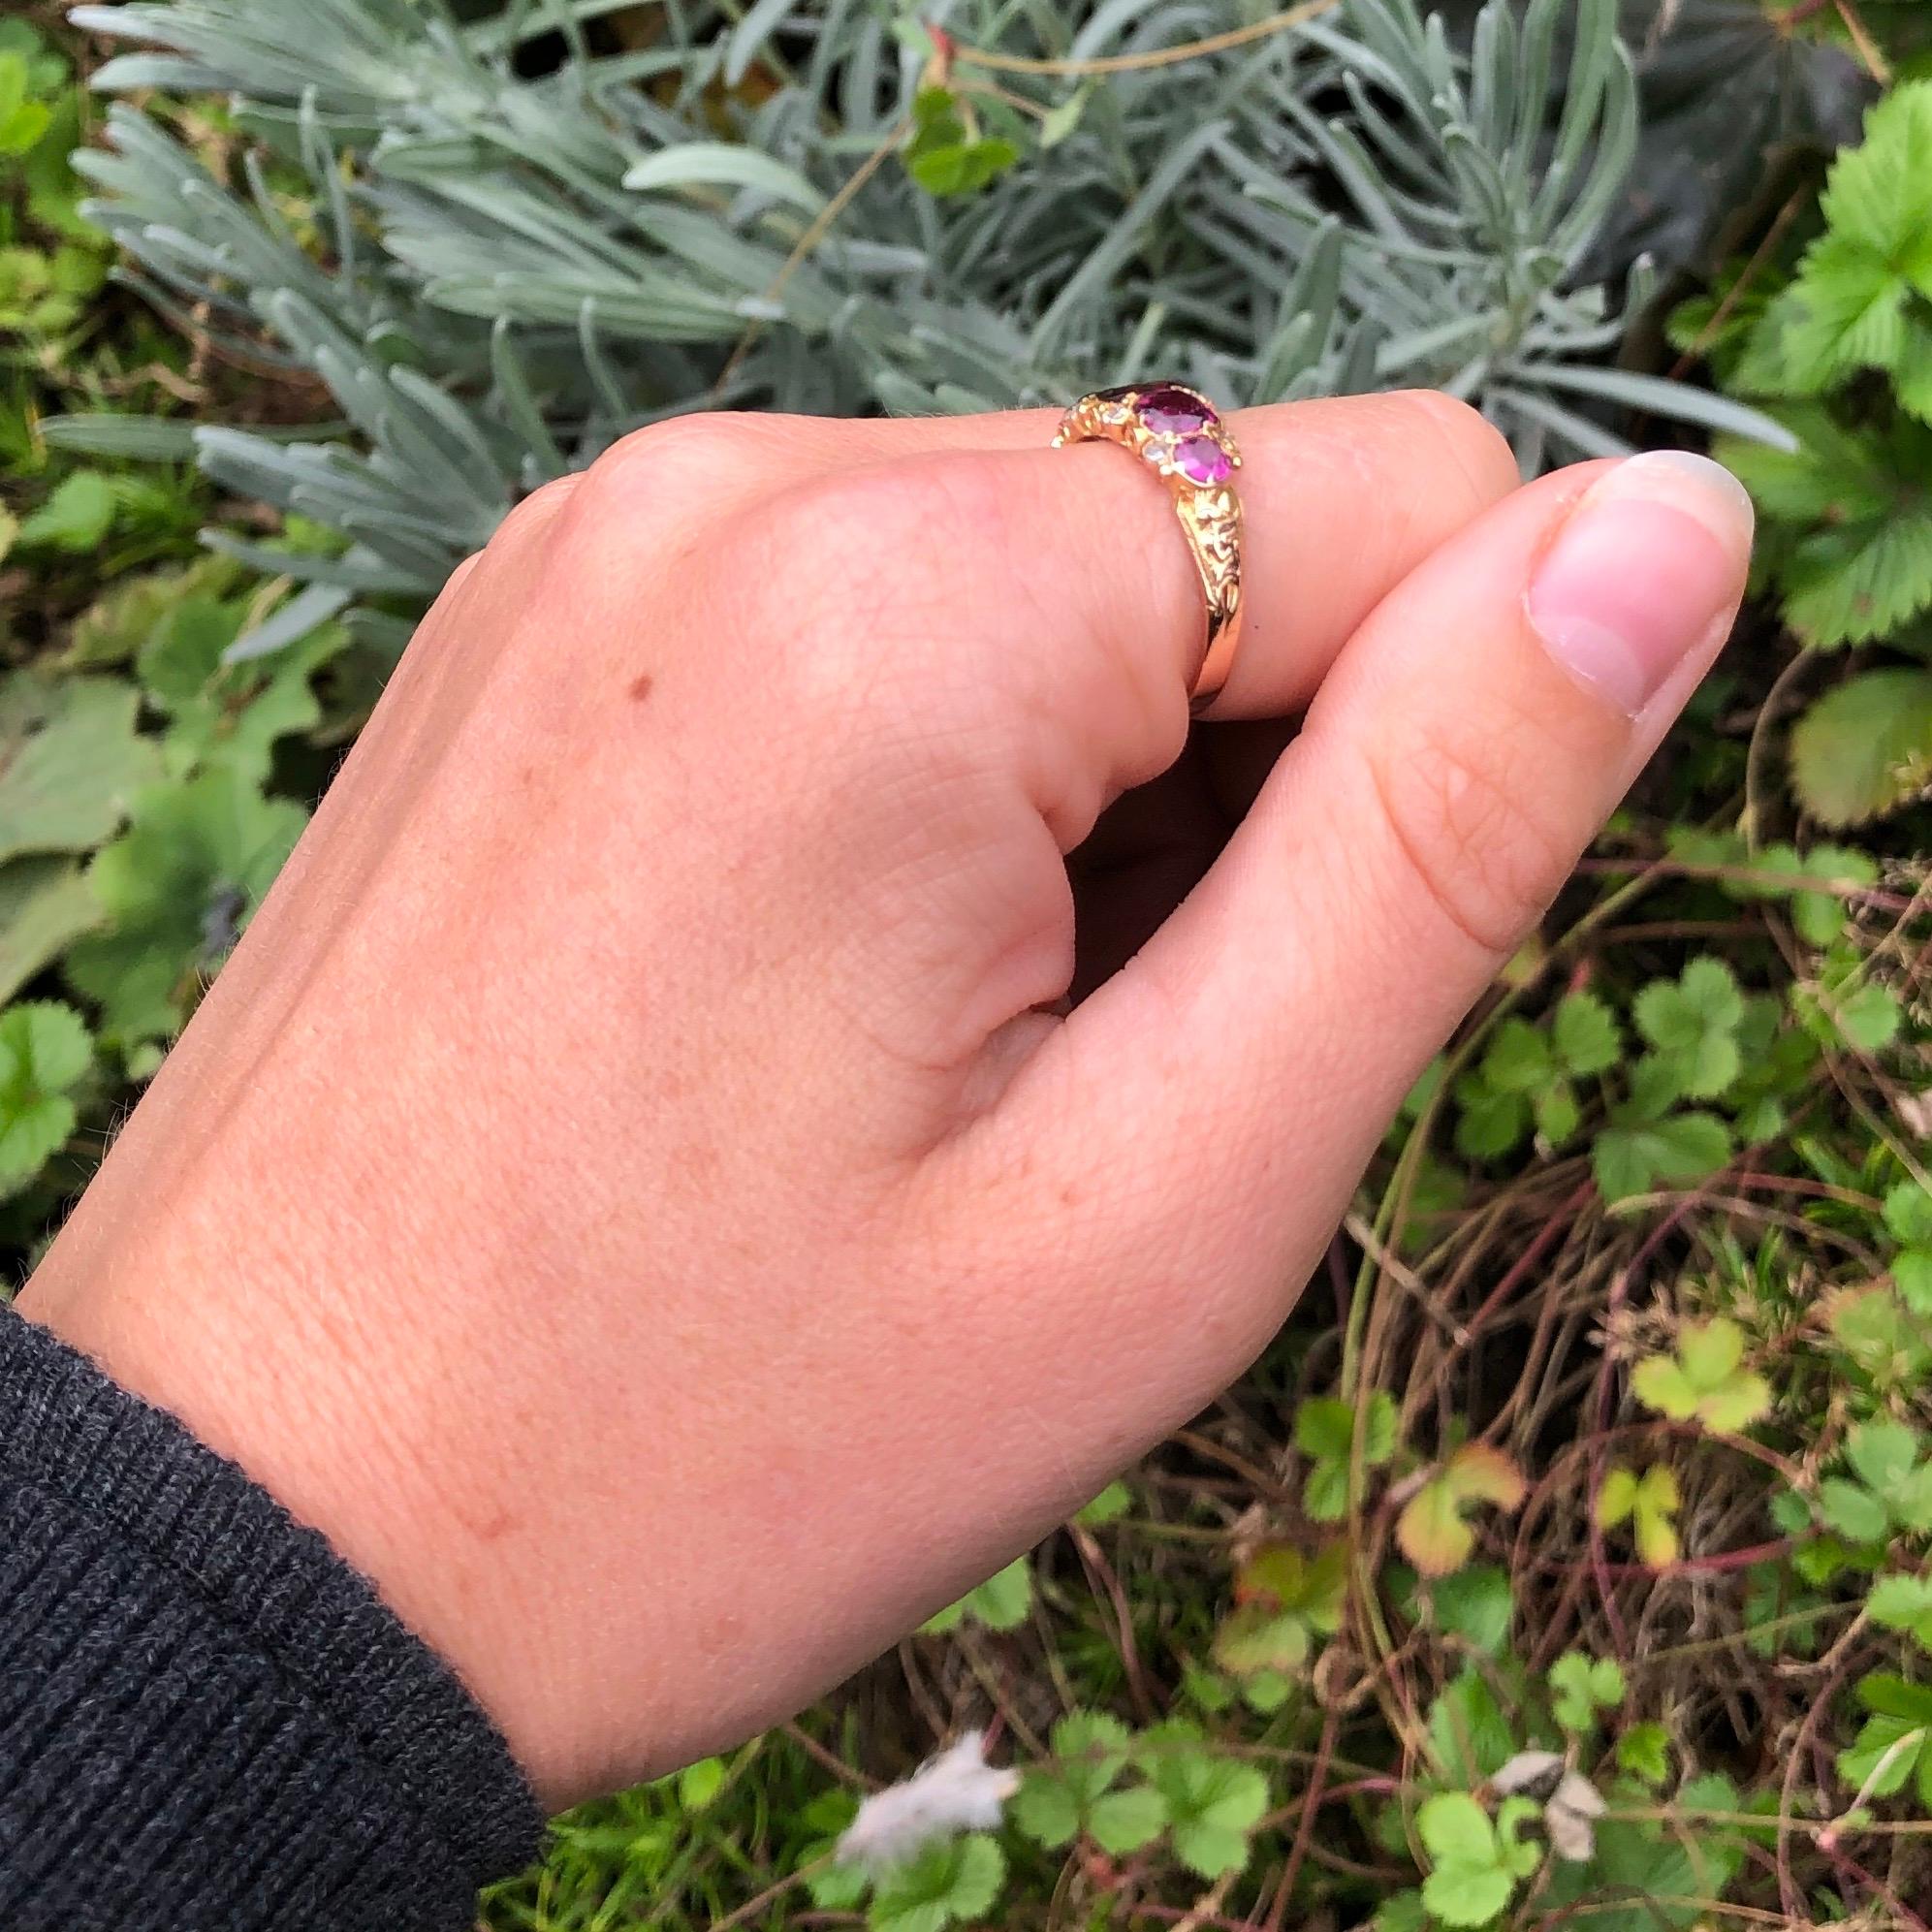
point(1605, 1434)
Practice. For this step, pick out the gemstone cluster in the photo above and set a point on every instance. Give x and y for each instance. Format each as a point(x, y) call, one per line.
point(1184, 429)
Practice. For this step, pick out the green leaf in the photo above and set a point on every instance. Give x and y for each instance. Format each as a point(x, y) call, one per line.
point(1489, 1124)
point(1468, 1733)
point(1883, 1451)
point(1476, 1604)
point(1109, 1507)
point(942, 157)
point(1865, 749)
point(1580, 1686)
point(1649, 1502)
point(1704, 1382)
point(1851, 294)
point(1469, 1882)
point(1455, 1829)
point(1911, 1271)
point(1123, 1820)
point(1694, 1024)
point(1892, 1696)
point(1588, 1039)
point(1213, 1804)
point(1617, 1498)
point(177, 888)
point(938, 1886)
point(45, 1047)
point(700, 1782)
point(1631, 1157)
point(226, 715)
point(45, 904)
point(76, 517)
point(1869, 1016)
point(1903, 1603)
point(1883, 1756)
point(1518, 1059)
point(1325, 1427)
point(1907, 1214)
point(22, 121)
point(1854, 1513)
point(71, 762)
point(1645, 1751)
point(1002, 1602)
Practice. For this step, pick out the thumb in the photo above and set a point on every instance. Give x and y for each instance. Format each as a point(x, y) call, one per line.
point(1232, 1081)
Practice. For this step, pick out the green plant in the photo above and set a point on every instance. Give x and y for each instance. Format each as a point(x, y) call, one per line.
point(1649, 1502)
point(1080, 1790)
point(1843, 353)
point(518, 270)
point(1705, 1380)
point(1500, 1592)
point(1475, 1862)
point(1433, 1528)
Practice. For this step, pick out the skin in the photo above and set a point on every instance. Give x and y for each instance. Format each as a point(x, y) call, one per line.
point(669, 1186)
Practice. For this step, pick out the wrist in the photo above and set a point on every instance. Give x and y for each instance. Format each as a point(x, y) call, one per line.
point(361, 1431)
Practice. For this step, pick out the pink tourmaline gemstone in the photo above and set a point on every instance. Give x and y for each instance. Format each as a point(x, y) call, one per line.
point(1202, 460)
point(1172, 412)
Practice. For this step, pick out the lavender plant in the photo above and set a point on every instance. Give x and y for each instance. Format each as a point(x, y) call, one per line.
point(834, 208)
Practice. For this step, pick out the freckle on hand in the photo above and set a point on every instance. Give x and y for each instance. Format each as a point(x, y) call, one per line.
point(640, 687)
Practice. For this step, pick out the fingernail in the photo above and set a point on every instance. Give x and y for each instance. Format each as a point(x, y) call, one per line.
point(1649, 562)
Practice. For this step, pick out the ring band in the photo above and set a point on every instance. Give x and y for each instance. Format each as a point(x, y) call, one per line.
point(1180, 435)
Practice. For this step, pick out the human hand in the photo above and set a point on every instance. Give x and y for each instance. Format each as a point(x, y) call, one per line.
point(639, 1188)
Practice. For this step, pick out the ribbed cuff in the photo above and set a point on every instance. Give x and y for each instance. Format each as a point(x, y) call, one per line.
point(208, 1720)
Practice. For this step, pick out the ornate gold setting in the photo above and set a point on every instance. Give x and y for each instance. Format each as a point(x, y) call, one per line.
point(1178, 434)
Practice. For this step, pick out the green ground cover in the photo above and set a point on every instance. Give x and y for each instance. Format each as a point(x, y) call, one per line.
point(1608, 1429)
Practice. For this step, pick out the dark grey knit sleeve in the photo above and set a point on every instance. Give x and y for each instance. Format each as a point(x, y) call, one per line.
point(208, 1722)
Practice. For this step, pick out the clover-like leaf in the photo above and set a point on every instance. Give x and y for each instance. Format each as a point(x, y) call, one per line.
point(944, 154)
point(1635, 1151)
point(1648, 1504)
point(1213, 1803)
point(45, 1047)
point(1587, 1038)
point(1693, 1025)
point(1075, 1792)
point(1704, 1382)
point(1325, 1433)
point(1903, 1603)
point(1644, 1752)
point(1581, 1686)
point(1474, 1863)
point(1283, 1599)
point(1432, 1531)
point(938, 1886)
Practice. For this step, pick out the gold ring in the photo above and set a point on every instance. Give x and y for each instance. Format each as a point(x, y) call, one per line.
point(1180, 435)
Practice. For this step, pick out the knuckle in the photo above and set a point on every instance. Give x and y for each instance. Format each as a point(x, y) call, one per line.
point(680, 452)
point(1478, 451)
point(1471, 822)
point(536, 509)
point(857, 578)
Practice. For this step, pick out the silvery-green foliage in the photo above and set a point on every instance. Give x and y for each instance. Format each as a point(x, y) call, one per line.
point(513, 271)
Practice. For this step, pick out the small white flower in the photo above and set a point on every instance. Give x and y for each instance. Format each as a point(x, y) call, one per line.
point(955, 1791)
point(1533, 1771)
point(1571, 1817)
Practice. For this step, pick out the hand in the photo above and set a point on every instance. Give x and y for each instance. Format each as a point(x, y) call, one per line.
point(640, 1187)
